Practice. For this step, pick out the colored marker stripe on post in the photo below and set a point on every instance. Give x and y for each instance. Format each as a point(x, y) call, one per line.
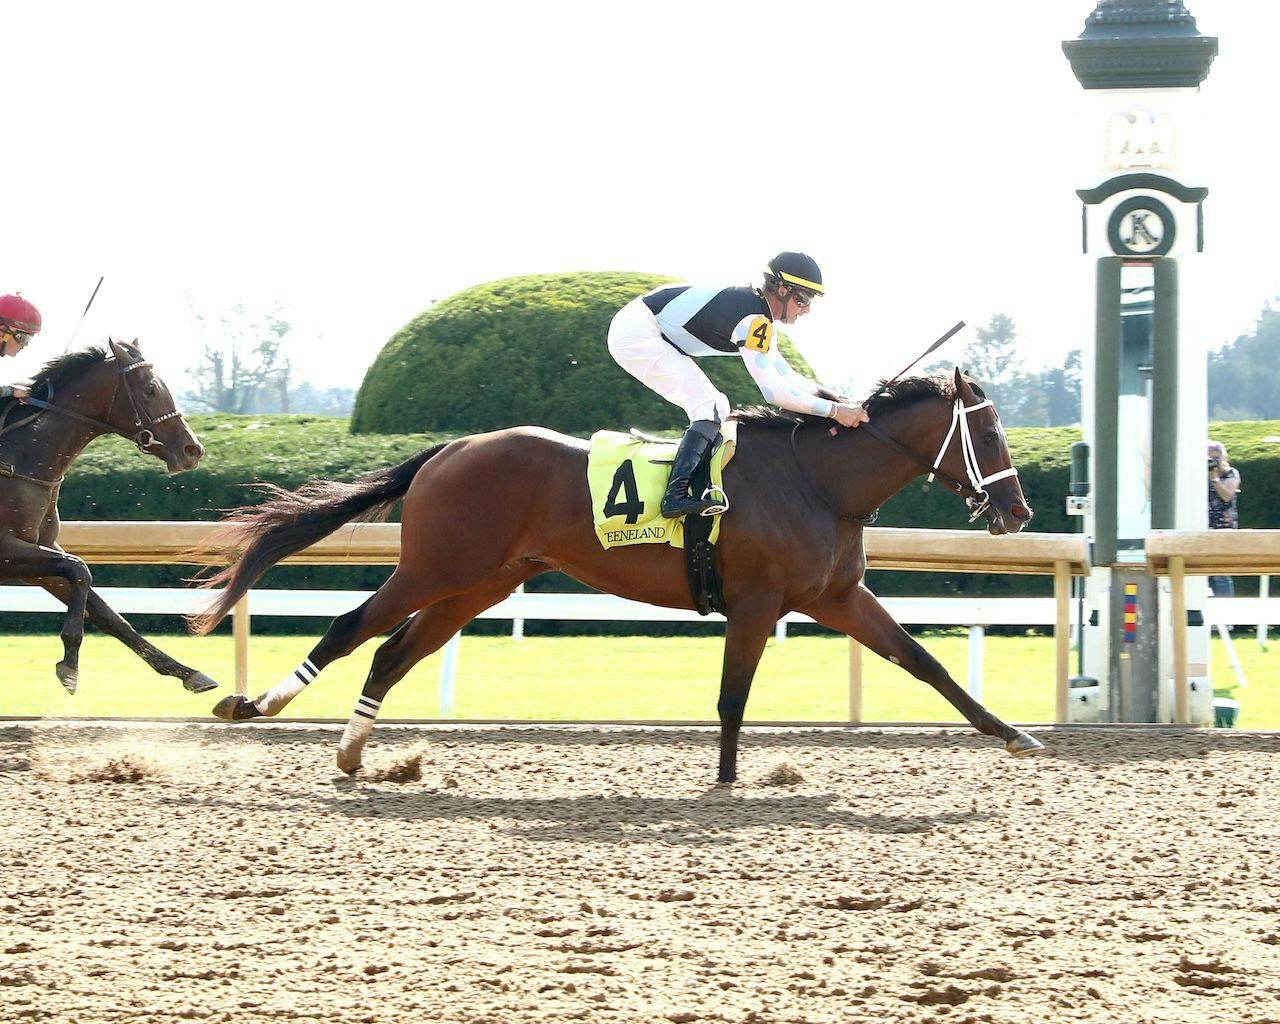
point(1130, 612)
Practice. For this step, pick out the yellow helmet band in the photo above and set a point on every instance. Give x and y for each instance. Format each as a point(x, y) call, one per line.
point(792, 279)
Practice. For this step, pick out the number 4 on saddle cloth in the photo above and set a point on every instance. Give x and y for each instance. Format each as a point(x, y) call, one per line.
point(627, 475)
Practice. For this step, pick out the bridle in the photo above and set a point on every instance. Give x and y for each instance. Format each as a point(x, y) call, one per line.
point(979, 500)
point(974, 493)
point(143, 438)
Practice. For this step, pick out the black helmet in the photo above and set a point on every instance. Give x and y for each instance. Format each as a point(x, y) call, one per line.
point(795, 268)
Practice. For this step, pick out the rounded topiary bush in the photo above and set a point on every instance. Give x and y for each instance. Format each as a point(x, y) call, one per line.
point(526, 350)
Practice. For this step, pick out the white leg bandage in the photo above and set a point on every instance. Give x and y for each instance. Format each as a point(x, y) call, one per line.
point(361, 723)
point(274, 700)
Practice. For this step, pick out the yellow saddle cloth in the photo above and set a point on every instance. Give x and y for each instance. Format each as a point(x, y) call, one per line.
point(628, 475)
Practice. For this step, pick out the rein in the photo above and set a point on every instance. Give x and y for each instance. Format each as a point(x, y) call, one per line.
point(866, 520)
point(144, 439)
point(975, 495)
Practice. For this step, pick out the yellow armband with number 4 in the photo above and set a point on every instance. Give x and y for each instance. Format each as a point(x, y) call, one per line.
point(759, 334)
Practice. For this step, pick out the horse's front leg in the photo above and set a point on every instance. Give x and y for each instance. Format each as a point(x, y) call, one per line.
point(749, 627)
point(113, 624)
point(858, 614)
point(25, 561)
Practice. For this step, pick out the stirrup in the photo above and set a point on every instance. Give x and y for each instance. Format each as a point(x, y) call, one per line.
point(687, 505)
point(717, 495)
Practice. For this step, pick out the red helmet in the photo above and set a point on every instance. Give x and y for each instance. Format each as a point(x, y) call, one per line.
point(15, 311)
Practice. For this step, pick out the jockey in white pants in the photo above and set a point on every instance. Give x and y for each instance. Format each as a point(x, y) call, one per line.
point(656, 338)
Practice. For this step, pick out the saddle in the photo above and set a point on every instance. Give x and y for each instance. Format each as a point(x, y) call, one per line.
point(626, 474)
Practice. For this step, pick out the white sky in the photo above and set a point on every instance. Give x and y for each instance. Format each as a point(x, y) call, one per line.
point(352, 162)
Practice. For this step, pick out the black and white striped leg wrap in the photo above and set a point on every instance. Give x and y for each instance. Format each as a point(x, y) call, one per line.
point(361, 723)
point(274, 700)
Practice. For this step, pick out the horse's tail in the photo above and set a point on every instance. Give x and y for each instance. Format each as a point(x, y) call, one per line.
point(288, 521)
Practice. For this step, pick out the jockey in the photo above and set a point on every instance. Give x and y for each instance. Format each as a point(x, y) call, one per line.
point(656, 337)
point(19, 322)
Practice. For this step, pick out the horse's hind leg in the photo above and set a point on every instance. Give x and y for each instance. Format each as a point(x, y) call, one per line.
point(394, 602)
point(862, 617)
point(422, 635)
point(113, 624)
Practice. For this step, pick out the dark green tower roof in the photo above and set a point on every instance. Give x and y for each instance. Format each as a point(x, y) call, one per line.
point(1140, 44)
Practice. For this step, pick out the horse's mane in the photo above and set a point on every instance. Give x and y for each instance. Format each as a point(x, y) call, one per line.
point(61, 371)
point(887, 396)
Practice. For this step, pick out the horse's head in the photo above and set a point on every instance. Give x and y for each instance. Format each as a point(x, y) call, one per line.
point(976, 454)
point(142, 409)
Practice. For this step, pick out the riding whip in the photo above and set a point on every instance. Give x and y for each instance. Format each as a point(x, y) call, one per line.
point(937, 344)
point(84, 314)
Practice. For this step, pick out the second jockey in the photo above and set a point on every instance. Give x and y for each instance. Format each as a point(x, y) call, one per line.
point(657, 336)
point(19, 323)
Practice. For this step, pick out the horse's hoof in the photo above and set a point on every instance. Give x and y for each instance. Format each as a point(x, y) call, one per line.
point(1024, 745)
point(236, 708)
point(68, 676)
point(198, 682)
point(349, 762)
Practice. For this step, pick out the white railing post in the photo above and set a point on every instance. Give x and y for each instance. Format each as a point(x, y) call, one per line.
point(1264, 591)
point(1230, 647)
point(449, 673)
point(855, 680)
point(240, 633)
point(517, 625)
point(976, 635)
point(780, 630)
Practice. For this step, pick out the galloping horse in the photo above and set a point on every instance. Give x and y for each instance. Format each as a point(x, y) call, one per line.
point(86, 394)
point(486, 512)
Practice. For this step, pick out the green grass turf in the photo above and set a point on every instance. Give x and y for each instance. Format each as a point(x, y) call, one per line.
point(803, 678)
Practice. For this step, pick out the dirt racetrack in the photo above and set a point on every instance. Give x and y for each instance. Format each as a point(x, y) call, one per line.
point(222, 873)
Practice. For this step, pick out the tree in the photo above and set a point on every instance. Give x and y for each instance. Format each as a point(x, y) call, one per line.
point(243, 366)
point(992, 359)
point(328, 402)
point(1061, 387)
point(1244, 375)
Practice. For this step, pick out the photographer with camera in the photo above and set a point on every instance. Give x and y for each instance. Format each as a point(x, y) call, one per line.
point(1224, 485)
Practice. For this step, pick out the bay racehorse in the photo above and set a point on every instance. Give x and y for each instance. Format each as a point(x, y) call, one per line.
point(484, 513)
point(74, 399)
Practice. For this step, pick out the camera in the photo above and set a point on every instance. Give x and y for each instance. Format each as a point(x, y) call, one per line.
point(1215, 463)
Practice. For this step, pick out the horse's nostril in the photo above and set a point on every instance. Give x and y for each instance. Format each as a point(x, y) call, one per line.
point(194, 451)
point(1019, 511)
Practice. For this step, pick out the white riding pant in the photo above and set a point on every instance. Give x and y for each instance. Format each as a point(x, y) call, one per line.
point(636, 343)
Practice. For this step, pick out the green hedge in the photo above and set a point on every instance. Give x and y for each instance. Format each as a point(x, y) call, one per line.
point(526, 350)
point(112, 481)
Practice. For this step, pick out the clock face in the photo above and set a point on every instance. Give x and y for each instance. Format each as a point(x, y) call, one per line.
point(1141, 226)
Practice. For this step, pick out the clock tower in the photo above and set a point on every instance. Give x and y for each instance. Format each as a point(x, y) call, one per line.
point(1145, 407)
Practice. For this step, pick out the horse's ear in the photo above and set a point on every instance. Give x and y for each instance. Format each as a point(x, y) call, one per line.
point(125, 351)
point(963, 390)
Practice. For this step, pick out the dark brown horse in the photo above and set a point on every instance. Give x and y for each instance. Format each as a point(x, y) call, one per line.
point(75, 399)
point(484, 513)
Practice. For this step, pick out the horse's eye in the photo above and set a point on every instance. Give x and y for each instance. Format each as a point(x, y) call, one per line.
point(990, 437)
point(151, 389)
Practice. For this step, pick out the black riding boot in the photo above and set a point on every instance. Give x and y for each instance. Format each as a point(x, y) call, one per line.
point(695, 446)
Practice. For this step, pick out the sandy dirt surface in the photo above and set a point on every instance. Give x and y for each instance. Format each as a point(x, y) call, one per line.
point(508, 875)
